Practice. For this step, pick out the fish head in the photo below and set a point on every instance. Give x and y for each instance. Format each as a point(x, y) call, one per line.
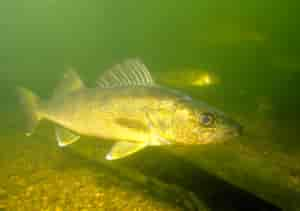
point(203, 125)
point(214, 127)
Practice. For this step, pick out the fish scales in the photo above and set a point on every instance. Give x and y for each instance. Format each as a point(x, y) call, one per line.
point(128, 107)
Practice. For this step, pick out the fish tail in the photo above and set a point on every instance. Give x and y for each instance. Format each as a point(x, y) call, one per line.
point(30, 103)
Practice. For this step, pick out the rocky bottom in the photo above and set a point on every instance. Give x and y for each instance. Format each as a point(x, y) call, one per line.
point(33, 179)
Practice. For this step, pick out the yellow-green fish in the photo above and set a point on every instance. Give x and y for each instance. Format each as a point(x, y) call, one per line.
point(129, 107)
point(196, 77)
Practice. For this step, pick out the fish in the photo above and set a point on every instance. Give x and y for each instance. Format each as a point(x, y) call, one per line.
point(194, 77)
point(128, 107)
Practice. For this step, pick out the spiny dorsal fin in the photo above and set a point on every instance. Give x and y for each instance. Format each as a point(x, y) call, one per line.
point(70, 83)
point(132, 72)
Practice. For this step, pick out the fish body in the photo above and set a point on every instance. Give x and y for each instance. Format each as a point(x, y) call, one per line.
point(129, 108)
point(116, 113)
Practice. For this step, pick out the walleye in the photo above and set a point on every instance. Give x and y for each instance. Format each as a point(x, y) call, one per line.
point(126, 106)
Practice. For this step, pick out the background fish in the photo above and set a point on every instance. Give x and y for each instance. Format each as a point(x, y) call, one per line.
point(196, 77)
point(129, 107)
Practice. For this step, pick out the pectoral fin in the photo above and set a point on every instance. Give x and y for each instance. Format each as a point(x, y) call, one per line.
point(65, 137)
point(123, 149)
point(158, 140)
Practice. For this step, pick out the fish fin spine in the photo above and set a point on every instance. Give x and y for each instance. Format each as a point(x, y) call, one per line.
point(130, 73)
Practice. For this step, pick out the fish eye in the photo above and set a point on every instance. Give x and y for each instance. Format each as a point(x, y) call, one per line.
point(207, 119)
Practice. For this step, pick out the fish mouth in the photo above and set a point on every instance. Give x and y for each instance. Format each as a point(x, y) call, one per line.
point(235, 131)
point(240, 130)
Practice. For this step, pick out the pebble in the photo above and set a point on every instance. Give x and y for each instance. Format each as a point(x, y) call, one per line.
point(3, 204)
point(58, 209)
point(3, 193)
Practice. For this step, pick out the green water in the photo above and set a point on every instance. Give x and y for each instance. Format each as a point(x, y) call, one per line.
point(253, 47)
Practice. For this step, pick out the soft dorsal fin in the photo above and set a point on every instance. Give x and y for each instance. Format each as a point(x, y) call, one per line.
point(132, 72)
point(70, 83)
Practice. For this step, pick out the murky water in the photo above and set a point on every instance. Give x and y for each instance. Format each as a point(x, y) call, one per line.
point(239, 56)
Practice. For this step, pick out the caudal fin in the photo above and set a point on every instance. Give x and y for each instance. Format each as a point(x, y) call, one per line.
point(30, 103)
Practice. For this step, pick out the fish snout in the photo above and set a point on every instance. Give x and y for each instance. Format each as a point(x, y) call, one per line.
point(239, 130)
point(234, 129)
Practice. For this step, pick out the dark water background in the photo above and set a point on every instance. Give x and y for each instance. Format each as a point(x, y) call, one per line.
point(253, 47)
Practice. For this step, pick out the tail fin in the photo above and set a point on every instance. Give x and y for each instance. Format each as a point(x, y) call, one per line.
point(30, 103)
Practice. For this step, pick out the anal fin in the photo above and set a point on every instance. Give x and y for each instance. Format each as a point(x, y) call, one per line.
point(123, 149)
point(65, 137)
